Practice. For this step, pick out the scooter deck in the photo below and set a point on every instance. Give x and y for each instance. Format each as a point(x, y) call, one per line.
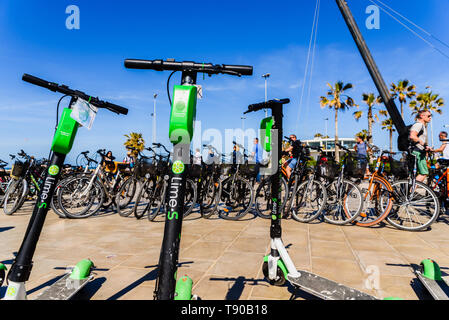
point(439, 289)
point(326, 289)
point(63, 289)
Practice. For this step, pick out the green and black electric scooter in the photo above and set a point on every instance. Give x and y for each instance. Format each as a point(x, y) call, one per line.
point(66, 287)
point(183, 112)
point(278, 267)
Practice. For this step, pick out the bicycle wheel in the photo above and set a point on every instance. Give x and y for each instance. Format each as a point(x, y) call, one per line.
point(415, 208)
point(235, 198)
point(77, 200)
point(209, 190)
point(190, 197)
point(156, 200)
point(308, 201)
point(54, 204)
point(15, 196)
point(143, 198)
point(124, 204)
point(344, 202)
point(377, 202)
point(262, 198)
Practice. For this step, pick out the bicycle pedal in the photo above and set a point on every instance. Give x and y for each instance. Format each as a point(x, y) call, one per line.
point(363, 214)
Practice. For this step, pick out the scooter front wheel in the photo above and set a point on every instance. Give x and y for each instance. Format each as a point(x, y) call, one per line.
point(280, 281)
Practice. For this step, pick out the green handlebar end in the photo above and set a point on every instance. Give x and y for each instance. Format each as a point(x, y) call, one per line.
point(183, 290)
point(82, 270)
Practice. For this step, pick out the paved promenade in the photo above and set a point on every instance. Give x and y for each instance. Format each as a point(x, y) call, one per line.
point(224, 258)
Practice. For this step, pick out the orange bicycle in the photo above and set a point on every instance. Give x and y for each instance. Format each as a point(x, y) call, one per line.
point(377, 193)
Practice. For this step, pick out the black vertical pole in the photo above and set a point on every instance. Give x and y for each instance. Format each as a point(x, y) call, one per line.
point(169, 255)
point(168, 259)
point(23, 263)
point(276, 215)
point(372, 67)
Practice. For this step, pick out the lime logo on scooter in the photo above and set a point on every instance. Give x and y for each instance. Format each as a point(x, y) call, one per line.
point(178, 167)
point(274, 211)
point(173, 195)
point(172, 215)
point(53, 170)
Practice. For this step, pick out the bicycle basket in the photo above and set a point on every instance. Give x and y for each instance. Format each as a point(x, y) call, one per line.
point(399, 169)
point(17, 169)
point(355, 169)
point(226, 169)
point(146, 165)
point(328, 170)
point(249, 170)
point(195, 171)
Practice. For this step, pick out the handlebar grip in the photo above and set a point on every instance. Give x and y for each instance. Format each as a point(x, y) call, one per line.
point(40, 82)
point(143, 64)
point(116, 108)
point(282, 101)
point(243, 70)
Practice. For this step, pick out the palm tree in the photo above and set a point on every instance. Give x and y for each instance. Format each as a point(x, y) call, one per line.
point(338, 101)
point(362, 134)
point(428, 101)
point(403, 90)
point(370, 101)
point(389, 126)
point(134, 142)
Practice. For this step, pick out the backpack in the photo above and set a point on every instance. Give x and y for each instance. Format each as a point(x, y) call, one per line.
point(404, 142)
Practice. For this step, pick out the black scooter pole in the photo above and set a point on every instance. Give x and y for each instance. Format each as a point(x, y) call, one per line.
point(276, 144)
point(168, 260)
point(23, 263)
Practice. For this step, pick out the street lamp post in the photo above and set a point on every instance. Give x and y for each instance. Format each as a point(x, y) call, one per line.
point(154, 118)
point(266, 76)
point(325, 125)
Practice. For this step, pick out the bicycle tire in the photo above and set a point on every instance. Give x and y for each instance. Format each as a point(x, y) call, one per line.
point(140, 207)
point(304, 193)
point(263, 203)
point(397, 221)
point(381, 198)
point(16, 192)
point(351, 209)
point(96, 192)
point(157, 198)
point(190, 197)
point(211, 189)
point(124, 197)
point(244, 199)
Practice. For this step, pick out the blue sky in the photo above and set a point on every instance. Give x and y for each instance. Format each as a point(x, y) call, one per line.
point(271, 36)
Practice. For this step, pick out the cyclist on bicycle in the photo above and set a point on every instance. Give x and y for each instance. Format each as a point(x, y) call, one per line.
point(418, 136)
point(295, 149)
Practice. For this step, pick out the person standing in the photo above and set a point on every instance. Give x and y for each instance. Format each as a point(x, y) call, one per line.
point(257, 157)
point(197, 158)
point(418, 136)
point(362, 154)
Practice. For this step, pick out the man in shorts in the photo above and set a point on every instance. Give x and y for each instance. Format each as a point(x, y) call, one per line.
point(418, 136)
point(295, 149)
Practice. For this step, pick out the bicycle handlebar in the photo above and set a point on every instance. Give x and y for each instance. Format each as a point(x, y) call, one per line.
point(160, 145)
point(169, 64)
point(266, 105)
point(52, 86)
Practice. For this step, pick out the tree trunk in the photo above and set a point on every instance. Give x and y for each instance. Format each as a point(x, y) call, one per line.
point(370, 125)
point(402, 110)
point(391, 140)
point(337, 149)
